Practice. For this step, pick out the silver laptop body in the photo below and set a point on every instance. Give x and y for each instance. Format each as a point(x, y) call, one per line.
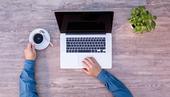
point(85, 34)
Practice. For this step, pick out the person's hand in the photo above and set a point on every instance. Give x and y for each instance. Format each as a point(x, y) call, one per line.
point(92, 67)
point(30, 52)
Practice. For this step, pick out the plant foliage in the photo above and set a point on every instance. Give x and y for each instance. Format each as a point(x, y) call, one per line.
point(142, 20)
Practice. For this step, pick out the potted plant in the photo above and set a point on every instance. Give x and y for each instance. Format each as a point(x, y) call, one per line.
point(142, 20)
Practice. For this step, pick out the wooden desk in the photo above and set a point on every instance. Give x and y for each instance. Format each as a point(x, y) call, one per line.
point(142, 62)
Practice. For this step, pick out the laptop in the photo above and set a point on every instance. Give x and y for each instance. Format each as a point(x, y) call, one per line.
point(85, 34)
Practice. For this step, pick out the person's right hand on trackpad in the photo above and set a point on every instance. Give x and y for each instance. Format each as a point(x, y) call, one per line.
point(92, 67)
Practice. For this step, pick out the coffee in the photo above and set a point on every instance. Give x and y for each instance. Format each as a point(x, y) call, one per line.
point(38, 38)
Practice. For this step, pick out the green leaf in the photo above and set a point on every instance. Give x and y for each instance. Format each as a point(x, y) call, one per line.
point(142, 19)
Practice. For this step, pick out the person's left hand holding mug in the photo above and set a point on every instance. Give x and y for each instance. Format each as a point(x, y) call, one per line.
point(30, 52)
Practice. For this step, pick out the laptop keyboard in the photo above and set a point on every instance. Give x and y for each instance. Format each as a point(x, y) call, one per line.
point(85, 45)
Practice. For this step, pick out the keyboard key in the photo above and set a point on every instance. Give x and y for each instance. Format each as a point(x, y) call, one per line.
point(85, 44)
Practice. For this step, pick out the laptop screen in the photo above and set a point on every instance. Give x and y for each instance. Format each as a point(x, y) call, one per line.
point(84, 22)
point(91, 26)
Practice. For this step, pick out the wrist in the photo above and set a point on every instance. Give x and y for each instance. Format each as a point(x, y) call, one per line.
point(102, 72)
point(98, 73)
point(32, 59)
point(29, 61)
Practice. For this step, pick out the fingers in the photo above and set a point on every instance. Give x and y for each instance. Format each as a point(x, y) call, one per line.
point(29, 45)
point(29, 52)
point(85, 70)
point(91, 62)
point(89, 59)
point(33, 48)
point(93, 59)
point(92, 67)
point(86, 67)
point(87, 62)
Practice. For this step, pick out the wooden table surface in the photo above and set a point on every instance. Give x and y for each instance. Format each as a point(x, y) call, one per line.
point(141, 61)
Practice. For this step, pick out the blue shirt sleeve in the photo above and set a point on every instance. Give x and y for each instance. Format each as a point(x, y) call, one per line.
point(27, 80)
point(117, 88)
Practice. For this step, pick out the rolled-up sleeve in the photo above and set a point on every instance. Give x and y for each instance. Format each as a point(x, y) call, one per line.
point(27, 80)
point(116, 87)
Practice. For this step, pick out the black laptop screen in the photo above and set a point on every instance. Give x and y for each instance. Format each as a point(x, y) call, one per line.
point(84, 22)
point(86, 26)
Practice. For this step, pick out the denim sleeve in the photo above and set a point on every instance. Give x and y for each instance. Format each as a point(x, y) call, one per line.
point(117, 88)
point(27, 80)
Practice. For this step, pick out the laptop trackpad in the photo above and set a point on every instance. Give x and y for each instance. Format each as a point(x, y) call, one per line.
point(69, 61)
point(82, 57)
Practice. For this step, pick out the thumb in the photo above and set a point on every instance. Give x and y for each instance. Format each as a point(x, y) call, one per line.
point(29, 45)
point(33, 48)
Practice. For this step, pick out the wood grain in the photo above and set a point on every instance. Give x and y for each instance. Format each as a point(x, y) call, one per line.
point(141, 61)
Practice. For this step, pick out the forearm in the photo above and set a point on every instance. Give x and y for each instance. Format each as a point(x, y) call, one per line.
point(27, 80)
point(116, 87)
